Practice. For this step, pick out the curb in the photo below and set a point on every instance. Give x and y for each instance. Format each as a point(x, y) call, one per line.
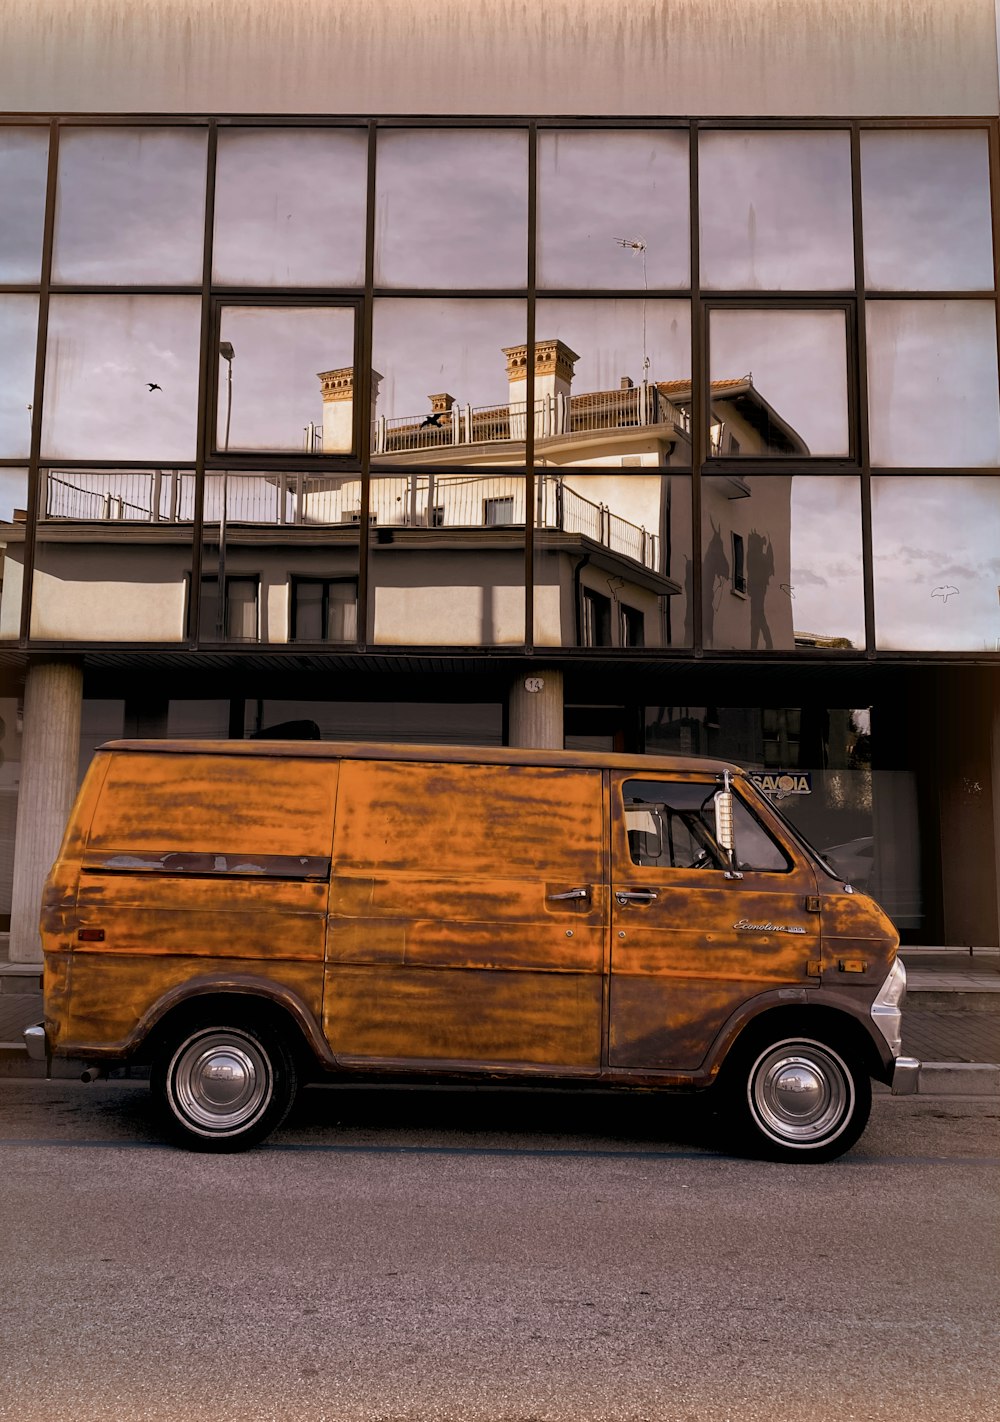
point(959, 1079)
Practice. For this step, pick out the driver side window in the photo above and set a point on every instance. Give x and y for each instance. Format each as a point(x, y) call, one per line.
point(671, 825)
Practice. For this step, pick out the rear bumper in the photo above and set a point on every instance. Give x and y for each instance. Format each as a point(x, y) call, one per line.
point(905, 1076)
point(36, 1043)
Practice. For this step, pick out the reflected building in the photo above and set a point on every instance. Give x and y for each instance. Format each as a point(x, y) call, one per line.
point(434, 426)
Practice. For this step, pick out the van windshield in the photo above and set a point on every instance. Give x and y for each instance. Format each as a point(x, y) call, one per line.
point(796, 834)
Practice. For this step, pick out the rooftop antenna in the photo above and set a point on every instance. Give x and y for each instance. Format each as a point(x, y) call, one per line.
point(638, 246)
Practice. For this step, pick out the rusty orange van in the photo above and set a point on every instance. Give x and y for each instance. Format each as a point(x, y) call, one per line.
point(243, 915)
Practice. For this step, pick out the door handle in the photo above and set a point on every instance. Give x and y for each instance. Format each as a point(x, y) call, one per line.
point(570, 894)
point(636, 896)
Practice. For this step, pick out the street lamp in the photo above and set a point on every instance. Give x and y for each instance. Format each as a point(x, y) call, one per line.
point(227, 353)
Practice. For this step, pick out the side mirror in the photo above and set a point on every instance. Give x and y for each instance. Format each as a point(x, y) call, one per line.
point(725, 835)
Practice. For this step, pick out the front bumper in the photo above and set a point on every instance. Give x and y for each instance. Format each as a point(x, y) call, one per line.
point(905, 1076)
point(35, 1041)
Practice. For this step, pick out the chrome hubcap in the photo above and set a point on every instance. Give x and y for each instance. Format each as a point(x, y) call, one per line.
point(801, 1093)
point(220, 1081)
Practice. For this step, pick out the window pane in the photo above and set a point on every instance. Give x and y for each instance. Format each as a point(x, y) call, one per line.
point(776, 211)
point(283, 374)
point(779, 383)
point(449, 381)
point(613, 382)
point(121, 377)
point(446, 566)
point(113, 557)
point(932, 383)
point(24, 156)
point(13, 520)
point(425, 723)
point(613, 210)
point(612, 560)
point(110, 585)
point(18, 337)
point(290, 207)
point(782, 562)
point(936, 547)
point(926, 202)
point(280, 544)
point(130, 206)
point(451, 208)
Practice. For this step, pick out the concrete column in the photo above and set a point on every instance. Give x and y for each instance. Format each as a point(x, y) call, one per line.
point(535, 711)
point(50, 750)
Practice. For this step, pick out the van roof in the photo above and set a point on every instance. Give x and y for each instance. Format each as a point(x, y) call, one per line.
point(441, 754)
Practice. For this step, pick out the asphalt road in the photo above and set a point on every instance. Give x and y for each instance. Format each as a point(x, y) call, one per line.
point(407, 1255)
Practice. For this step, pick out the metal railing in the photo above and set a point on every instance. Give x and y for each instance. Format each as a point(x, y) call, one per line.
point(430, 501)
point(554, 415)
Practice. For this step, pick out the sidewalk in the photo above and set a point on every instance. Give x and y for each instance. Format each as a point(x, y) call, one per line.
point(951, 1020)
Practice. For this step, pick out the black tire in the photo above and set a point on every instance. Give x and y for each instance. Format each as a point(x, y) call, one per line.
point(796, 1097)
point(223, 1086)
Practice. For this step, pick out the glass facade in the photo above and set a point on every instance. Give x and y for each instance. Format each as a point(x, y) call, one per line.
point(379, 385)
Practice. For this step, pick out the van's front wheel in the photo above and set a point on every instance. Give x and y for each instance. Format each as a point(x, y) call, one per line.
point(798, 1098)
point(223, 1087)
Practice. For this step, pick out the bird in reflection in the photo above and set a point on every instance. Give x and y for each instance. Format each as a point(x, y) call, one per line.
point(434, 420)
point(944, 592)
point(153, 386)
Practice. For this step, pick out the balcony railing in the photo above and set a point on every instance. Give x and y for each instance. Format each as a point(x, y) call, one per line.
point(420, 501)
point(555, 415)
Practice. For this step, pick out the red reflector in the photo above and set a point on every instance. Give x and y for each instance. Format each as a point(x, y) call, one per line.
point(90, 935)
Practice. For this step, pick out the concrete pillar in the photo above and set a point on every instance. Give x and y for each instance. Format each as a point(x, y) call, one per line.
point(535, 711)
point(50, 750)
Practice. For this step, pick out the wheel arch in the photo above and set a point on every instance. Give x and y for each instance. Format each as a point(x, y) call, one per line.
point(236, 1000)
point(828, 1024)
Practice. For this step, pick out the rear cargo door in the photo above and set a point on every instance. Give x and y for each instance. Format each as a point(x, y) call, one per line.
point(467, 915)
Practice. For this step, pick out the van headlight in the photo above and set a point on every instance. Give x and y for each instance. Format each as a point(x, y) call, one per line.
point(887, 1009)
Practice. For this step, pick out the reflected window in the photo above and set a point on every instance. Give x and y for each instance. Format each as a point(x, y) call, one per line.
point(290, 207)
point(13, 522)
point(286, 379)
point(24, 154)
point(782, 562)
point(324, 609)
point(446, 563)
point(451, 208)
point(18, 337)
point(776, 211)
point(932, 383)
point(936, 554)
point(613, 383)
point(779, 383)
point(613, 210)
point(121, 377)
point(234, 618)
point(926, 202)
point(130, 206)
point(612, 561)
point(292, 536)
point(449, 381)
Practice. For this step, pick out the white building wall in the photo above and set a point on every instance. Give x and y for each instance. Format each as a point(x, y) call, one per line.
point(828, 57)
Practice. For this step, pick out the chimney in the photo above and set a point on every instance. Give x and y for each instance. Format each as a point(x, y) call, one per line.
point(338, 407)
point(554, 363)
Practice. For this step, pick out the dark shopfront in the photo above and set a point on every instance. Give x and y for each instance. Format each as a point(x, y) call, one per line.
point(887, 769)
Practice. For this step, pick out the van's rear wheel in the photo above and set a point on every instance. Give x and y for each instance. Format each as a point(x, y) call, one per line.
point(798, 1098)
point(223, 1087)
